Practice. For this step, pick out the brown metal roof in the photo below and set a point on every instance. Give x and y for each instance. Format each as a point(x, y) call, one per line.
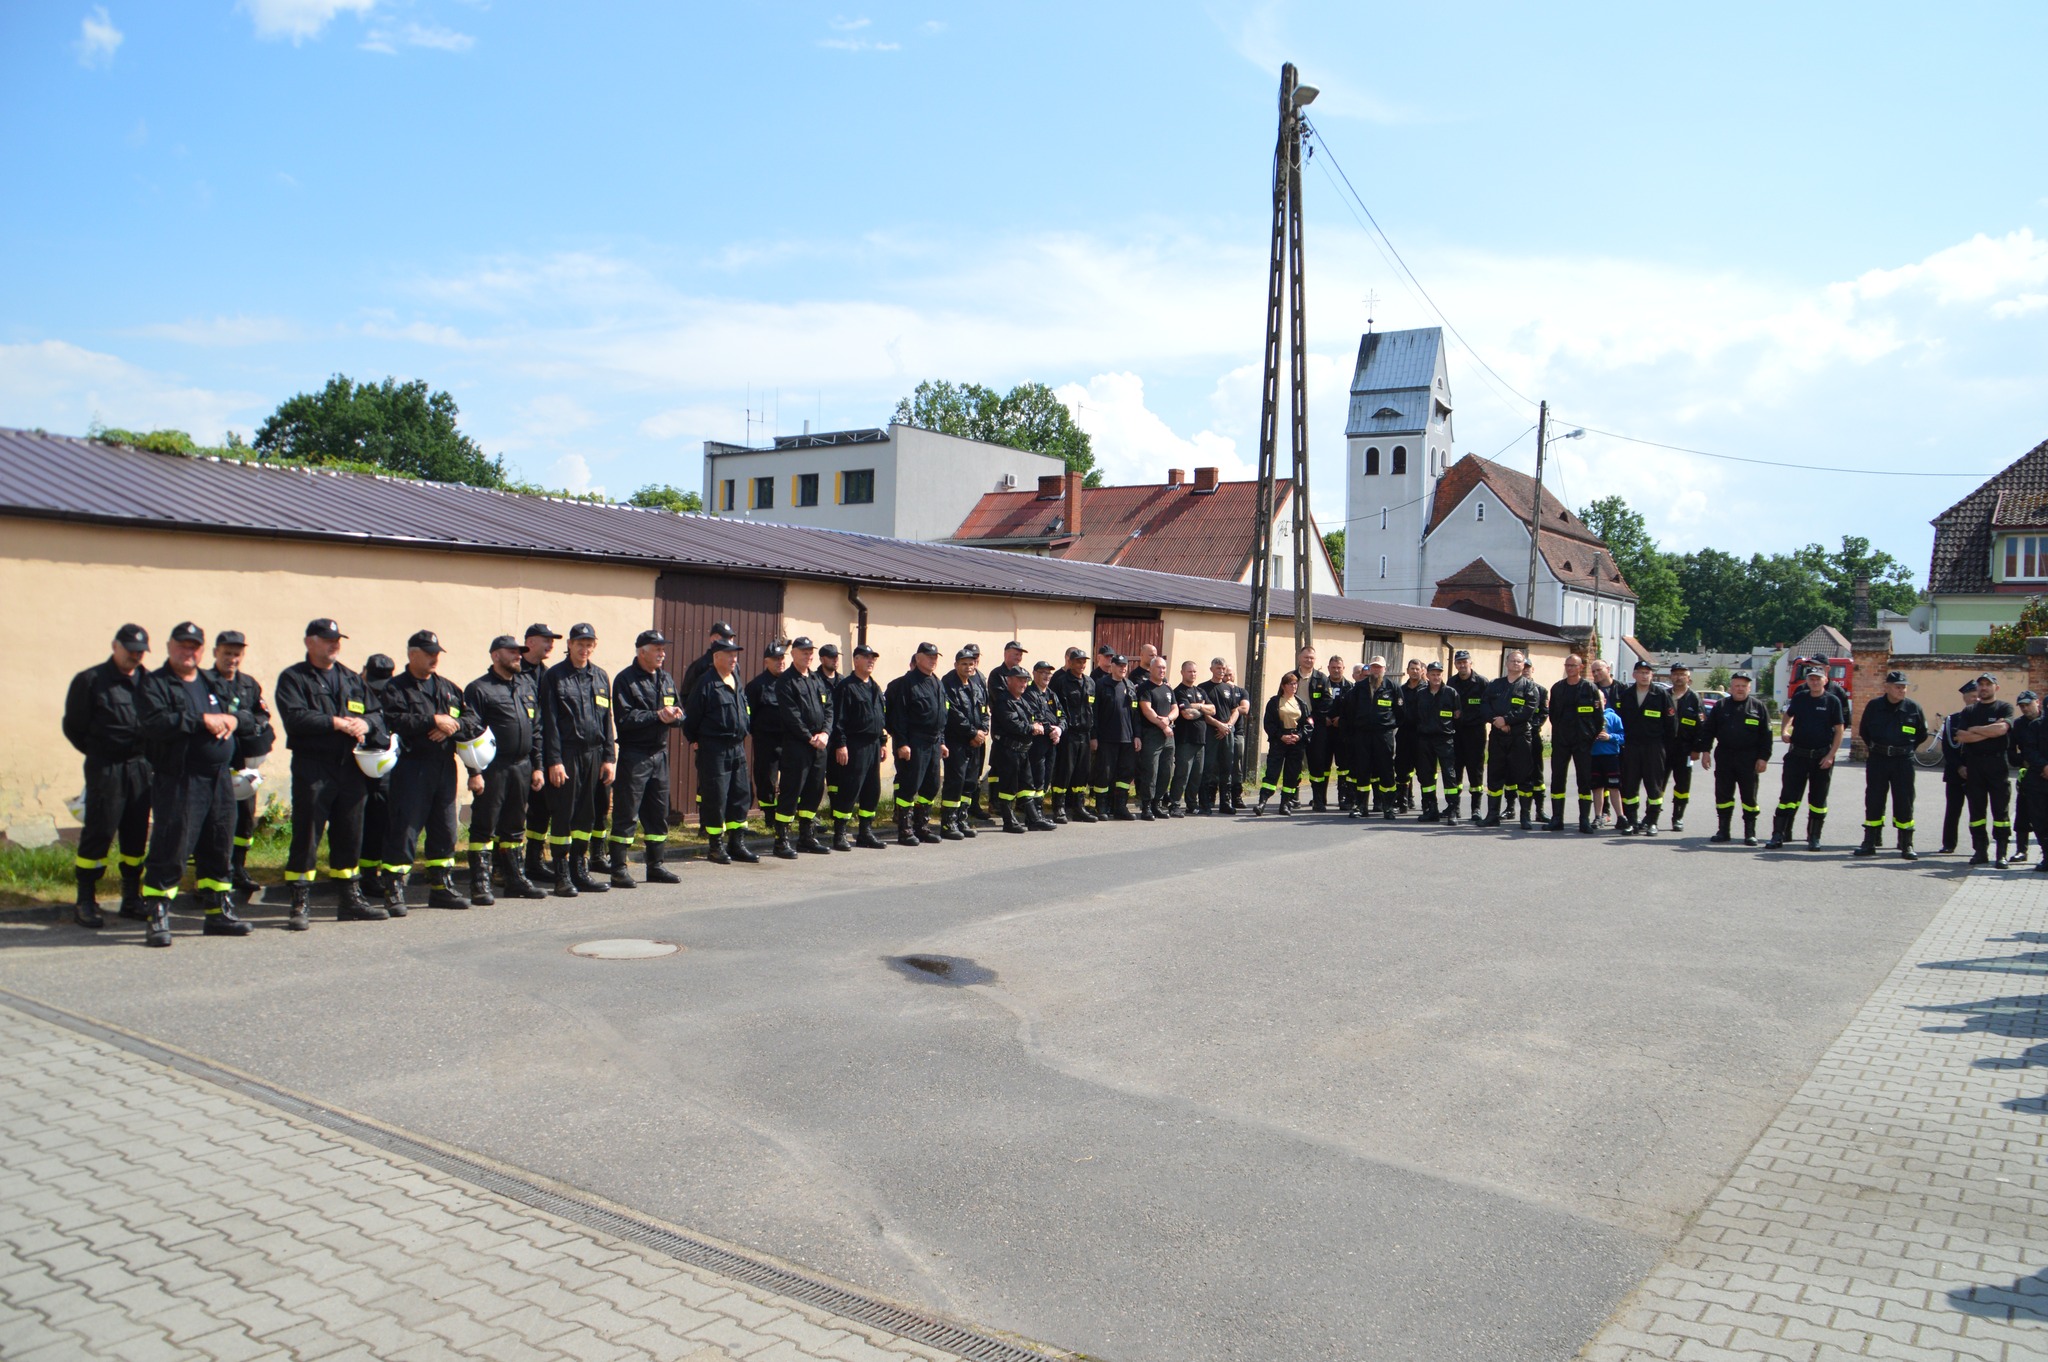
point(60, 477)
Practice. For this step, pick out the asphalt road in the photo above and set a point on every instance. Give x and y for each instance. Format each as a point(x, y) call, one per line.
point(1229, 1089)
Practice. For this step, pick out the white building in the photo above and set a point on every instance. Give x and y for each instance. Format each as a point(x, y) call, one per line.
point(1425, 528)
point(902, 482)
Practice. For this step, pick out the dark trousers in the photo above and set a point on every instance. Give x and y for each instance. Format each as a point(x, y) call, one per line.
point(376, 814)
point(572, 805)
point(1155, 765)
point(1579, 761)
point(857, 786)
point(723, 790)
point(1955, 798)
point(1732, 776)
point(1188, 759)
point(1511, 763)
point(964, 766)
point(537, 814)
point(498, 814)
point(1678, 765)
point(2032, 794)
point(193, 817)
point(1804, 778)
point(1322, 758)
point(767, 786)
point(1378, 765)
point(245, 827)
point(328, 799)
point(1472, 760)
point(1070, 765)
point(1283, 772)
point(1887, 779)
point(640, 796)
point(1405, 757)
point(1643, 766)
point(1436, 766)
point(1012, 762)
point(1990, 802)
point(117, 797)
point(803, 781)
point(421, 798)
point(1219, 767)
point(1113, 768)
point(1038, 769)
point(918, 777)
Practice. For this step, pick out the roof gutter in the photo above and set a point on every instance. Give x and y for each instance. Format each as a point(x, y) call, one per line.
point(859, 605)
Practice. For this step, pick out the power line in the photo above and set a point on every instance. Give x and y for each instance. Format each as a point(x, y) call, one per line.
point(1774, 463)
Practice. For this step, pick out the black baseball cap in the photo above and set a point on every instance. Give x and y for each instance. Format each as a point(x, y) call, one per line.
point(721, 628)
point(425, 640)
point(1982, 677)
point(775, 649)
point(862, 650)
point(802, 641)
point(504, 641)
point(2026, 697)
point(1043, 664)
point(1013, 643)
point(232, 638)
point(1433, 666)
point(582, 631)
point(647, 636)
point(133, 637)
point(1742, 676)
point(1967, 688)
point(927, 649)
point(829, 650)
point(1462, 656)
point(1895, 678)
point(1018, 674)
point(726, 645)
point(1643, 664)
point(1076, 655)
point(1104, 650)
point(1119, 660)
point(378, 667)
point(326, 629)
point(967, 654)
point(187, 632)
point(540, 631)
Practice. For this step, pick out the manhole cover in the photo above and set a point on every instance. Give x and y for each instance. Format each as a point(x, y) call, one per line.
point(940, 969)
point(625, 948)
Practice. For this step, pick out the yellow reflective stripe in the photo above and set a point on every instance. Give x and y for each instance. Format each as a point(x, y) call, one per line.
point(79, 862)
point(334, 874)
point(126, 859)
point(245, 841)
point(298, 876)
point(220, 886)
point(170, 893)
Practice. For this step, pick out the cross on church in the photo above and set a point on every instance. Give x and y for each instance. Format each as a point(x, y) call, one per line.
point(1372, 301)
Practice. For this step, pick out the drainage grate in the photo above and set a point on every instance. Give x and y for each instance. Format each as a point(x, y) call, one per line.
point(915, 1325)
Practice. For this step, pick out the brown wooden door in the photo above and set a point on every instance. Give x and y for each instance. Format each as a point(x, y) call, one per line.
point(686, 604)
point(1127, 634)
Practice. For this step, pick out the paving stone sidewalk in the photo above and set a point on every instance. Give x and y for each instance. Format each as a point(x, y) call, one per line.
point(147, 1214)
point(1898, 1206)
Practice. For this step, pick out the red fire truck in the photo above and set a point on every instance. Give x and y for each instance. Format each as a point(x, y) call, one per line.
point(1841, 671)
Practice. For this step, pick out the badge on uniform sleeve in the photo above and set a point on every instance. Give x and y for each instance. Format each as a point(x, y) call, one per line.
point(668, 702)
point(455, 711)
point(1752, 721)
point(1907, 728)
point(355, 706)
point(603, 701)
point(1588, 709)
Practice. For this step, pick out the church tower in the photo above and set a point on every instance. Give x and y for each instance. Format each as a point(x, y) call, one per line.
point(1398, 444)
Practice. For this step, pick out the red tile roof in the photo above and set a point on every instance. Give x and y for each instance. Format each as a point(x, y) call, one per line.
point(1478, 583)
point(1963, 533)
point(1568, 543)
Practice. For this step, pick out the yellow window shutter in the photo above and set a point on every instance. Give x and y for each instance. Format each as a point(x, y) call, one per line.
point(751, 485)
point(839, 489)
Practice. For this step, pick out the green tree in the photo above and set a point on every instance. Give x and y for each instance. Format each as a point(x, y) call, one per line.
point(1787, 596)
point(1029, 416)
point(1649, 571)
point(391, 425)
point(2012, 638)
point(662, 497)
point(1891, 582)
point(1334, 542)
point(1719, 678)
point(1715, 585)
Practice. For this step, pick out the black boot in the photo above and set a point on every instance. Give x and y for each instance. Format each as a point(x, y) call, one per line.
point(1259, 809)
point(921, 824)
point(962, 822)
point(1492, 819)
point(657, 873)
point(86, 910)
point(1870, 835)
point(840, 827)
point(1145, 814)
point(239, 877)
point(1450, 818)
point(1586, 816)
point(1059, 807)
point(394, 894)
point(1814, 823)
point(353, 906)
point(579, 872)
point(906, 836)
point(597, 858)
point(1120, 806)
point(565, 884)
point(807, 839)
point(866, 836)
point(480, 879)
point(1749, 829)
point(300, 918)
point(158, 932)
point(132, 906)
point(442, 893)
point(736, 847)
point(1528, 813)
point(782, 850)
point(714, 850)
point(1654, 816)
point(1077, 808)
point(536, 866)
point(1010, 823)
point(220, 916)
point(1035, 821)
point(1906, 852)
point(621, 875)
point(1722, 835)
point(517, 884)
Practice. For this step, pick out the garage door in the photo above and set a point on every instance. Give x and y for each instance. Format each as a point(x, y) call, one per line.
point(1127, 633)
point(685, 606)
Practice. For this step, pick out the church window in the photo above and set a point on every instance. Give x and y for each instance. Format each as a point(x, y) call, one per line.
point(1383, 567)
point(1372, 461)
point(1383, 517)
point(1479, 511)
point(1400, 460)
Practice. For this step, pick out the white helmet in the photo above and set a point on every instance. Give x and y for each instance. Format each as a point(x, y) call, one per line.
point(246, 784)
point(479, 752)
point(254, 759)
point(75, 806)
point(376, 762)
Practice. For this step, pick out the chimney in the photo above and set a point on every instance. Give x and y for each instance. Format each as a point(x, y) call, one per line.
point(1175, 477)
point(1051, 487)
point(1205, 480)
point(1072, 519)
point(1861, 618)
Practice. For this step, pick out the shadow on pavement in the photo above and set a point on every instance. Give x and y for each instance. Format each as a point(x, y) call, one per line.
point(2025, 1298)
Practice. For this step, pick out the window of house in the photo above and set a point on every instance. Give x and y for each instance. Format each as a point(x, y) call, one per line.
point(725, 490)
point(1400, 460)
point(2026, 556)
point(1383, 517)
point(804, 489)
point(1383, 567)
point(1372, 461)
point(1479, 511)
point(1274, 575)
point(763, 498)
point(857, 487)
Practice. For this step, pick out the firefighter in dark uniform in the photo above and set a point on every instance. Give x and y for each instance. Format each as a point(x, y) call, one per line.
point(1115, 743)
point(1954, 785)
point(2030, 715)
point(1687, 712)
point(859, 738)
point(190, 737)
point(101, 720)
point(1070, 764)
point(805, 703)
point(1984, 730)
point(716, 722)
point(1404, 737)
point(1213, 797)
point(1649, 726)
point(540, 642)
point(646, 706)
point(721, 632)
point(254, 737)
point(1471, 735)
point(1577, 716)
point(1045, 745)
point(505, 699)
point(1738, 735)
point(1013, 661)
point(424, 710)
point(1372, 716)
point(377, 673)
point(327, 711)
point(1192, 711)
point(2032, 772)
point(1233, 712)
point(915, 713)
point(1323, 692)
point(1014, 724)
point(1513, 710)
point(1814, 722)
point(764, 713)
point(829, 673)
point(967, 730)
point(1892, 728)
point(576, 744)
point(1436, 709)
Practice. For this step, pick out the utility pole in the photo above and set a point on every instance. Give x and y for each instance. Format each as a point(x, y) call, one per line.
point(1536, 502)
point(1284, 263)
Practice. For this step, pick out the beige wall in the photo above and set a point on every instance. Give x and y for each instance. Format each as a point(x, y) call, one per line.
point(70, 586)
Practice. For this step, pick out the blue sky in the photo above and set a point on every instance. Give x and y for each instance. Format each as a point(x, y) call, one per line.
point(1802, 233)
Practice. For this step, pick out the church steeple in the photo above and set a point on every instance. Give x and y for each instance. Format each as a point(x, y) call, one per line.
point(1398, 442)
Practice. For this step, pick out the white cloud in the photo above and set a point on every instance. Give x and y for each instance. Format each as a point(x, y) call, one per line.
point(1133, 443)
point(1262, 39)
point(222, 331)
point(98, 39)
point(845, 25)
point(858, 45)
point(299, 20)
point(65, 388)
point(430, 36)
point(552, 415)
point(571, 473)
point(689, 424)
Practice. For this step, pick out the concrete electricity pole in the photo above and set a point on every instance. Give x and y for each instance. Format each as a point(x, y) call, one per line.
point(1536, 503)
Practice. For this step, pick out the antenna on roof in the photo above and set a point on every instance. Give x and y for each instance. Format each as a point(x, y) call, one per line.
point(1372, 302)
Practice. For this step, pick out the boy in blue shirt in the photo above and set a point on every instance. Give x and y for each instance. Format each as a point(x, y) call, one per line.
point(1607, 765)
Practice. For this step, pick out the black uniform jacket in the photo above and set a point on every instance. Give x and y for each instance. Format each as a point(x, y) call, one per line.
point(1011, 718)
point(1814, 718)
point(101, 715)
point(575, 710)
point(1471, 698)
point(715, 714)
point(764, 702)
point(410, 704)
point(1116, 710)
point(2033, 751)
point(1888, 725)
point(511, 710)
point(1434, 713)
point(309, 700)
point(1404, 712)
point(637, 697)
point(967, 708)
point(914, 709)
point(806, 704)
point(1689, 713)
point(1322, 695)
point(1371, 709)
point(857, 715)
point(1048, 709)
point(243, 695)
point(1271, 721)
point(694, 673)
point(1648, 717)
point(1577, 713)
point(1738, 730)
point(1519, 702)
point(1077, 702)
point(1977, 716)
point(171, 726)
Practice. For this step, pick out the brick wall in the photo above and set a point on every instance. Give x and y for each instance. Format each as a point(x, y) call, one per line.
point(1935, 679)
